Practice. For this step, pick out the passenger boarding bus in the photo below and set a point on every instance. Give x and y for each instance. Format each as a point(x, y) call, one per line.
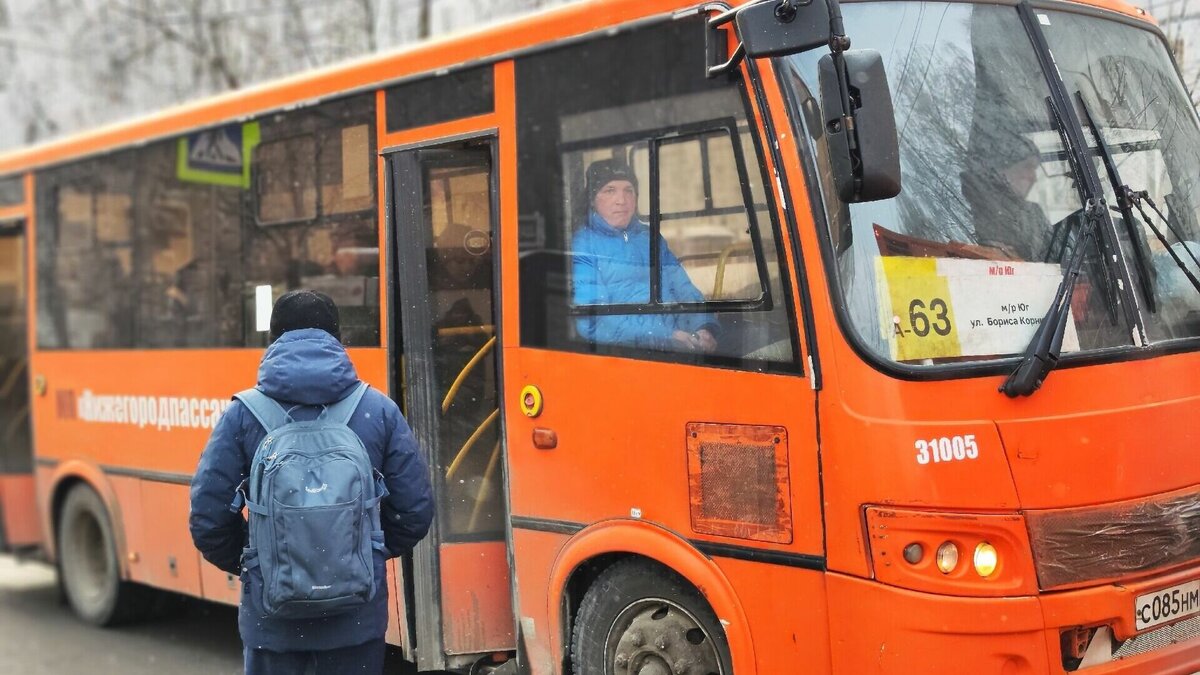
point(897, 372)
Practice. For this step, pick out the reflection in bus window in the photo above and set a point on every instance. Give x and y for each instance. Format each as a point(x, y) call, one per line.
point(189, 233)
point(316, 221)
point(15, 436)
point(12, 191)
point(709, 289)
point(345, 170)
point(287, 185)
point(86, 285)
point(162, 246)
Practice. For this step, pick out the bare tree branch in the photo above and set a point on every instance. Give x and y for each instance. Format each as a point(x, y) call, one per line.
point(370, 20)
point(8, 54)
point(205, 44)
point(139, 55)
point(217, 60)
point(298, 33)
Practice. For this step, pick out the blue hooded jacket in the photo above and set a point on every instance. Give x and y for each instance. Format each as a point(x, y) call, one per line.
point(308, 368)
point(612, 266)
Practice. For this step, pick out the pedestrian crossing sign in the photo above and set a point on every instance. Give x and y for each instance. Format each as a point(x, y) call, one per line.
point(218, 156)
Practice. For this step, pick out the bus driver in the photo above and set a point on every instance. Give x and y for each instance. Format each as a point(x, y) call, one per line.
point(1004, 169)
point(611, 253)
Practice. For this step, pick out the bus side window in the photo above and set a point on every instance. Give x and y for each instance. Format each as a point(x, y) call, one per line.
point(315, 221)
point(345, 168)
point(86, 288)
point(286, 180)
point(704, 216)
point(12, 191)
point(189, 241)
point(448, 96)
point(164, 245)
point(637, 106)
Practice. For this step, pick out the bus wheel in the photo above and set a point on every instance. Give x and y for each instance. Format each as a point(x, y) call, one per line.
point(638, 618)
point(87, 562)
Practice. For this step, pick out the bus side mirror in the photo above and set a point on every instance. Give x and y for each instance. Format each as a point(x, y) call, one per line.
point(781, 28)
point(865, 159)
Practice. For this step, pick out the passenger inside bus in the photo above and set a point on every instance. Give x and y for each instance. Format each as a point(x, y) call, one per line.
point(1002, 169)
point(611, 265)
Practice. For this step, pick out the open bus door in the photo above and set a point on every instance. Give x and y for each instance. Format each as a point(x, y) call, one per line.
point(442, 219)
point(18, 511)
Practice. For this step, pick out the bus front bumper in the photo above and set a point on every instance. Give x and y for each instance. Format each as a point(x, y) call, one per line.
point(877, 628)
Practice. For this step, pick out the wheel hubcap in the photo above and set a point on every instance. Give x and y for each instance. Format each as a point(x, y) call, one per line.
point(658, 637)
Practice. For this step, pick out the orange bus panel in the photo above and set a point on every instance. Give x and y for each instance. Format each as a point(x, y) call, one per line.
point(477, 617)
point(18, 506)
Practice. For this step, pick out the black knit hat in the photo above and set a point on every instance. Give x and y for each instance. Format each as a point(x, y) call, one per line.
point(605, 171)
point(305, 309)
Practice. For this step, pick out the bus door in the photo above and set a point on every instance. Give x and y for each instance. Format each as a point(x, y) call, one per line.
point(442, 223)
point(18, 514)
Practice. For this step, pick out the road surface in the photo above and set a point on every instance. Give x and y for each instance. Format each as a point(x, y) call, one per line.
point(40, 636)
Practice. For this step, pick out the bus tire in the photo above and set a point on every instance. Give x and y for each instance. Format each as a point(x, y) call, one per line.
point(640, 618)
point(88, 566)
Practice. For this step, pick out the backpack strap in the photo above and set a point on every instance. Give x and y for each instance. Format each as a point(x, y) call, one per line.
point(344, 409)
point(269, 414)
point(381, 490)
point(242, 500)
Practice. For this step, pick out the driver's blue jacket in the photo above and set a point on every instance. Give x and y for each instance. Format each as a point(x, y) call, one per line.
point(612, 266)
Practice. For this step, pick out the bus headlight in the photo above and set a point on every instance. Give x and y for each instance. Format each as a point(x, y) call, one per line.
point(947, 557)
point(913, 553)
point(986, 559)
point(951, 553)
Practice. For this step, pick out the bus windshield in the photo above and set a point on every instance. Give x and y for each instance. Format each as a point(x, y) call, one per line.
point(1142, 113)
point(962, 265)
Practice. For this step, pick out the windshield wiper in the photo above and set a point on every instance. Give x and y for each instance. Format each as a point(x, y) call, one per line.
point(1041, 356)
point(1106, 277)
point(1044, 349)
point(1127, 198)
point(1144, 196)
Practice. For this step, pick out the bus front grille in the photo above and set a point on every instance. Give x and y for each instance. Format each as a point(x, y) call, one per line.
point(1073, 547)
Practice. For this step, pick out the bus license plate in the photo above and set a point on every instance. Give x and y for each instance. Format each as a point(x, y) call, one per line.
point(1166, 605)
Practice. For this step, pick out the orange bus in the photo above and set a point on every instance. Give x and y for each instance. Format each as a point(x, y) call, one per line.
point(945, 254)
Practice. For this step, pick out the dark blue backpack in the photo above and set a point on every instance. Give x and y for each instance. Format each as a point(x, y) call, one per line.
point(313, 500)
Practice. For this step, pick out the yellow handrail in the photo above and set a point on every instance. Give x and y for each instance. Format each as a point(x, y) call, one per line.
point(14, 375)
point(719, 282)
point(466, 370)
point(455, 331)
point(462, 453)
point(485, 490)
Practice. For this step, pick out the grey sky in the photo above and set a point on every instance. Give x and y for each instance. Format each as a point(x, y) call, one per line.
point(68, 65)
